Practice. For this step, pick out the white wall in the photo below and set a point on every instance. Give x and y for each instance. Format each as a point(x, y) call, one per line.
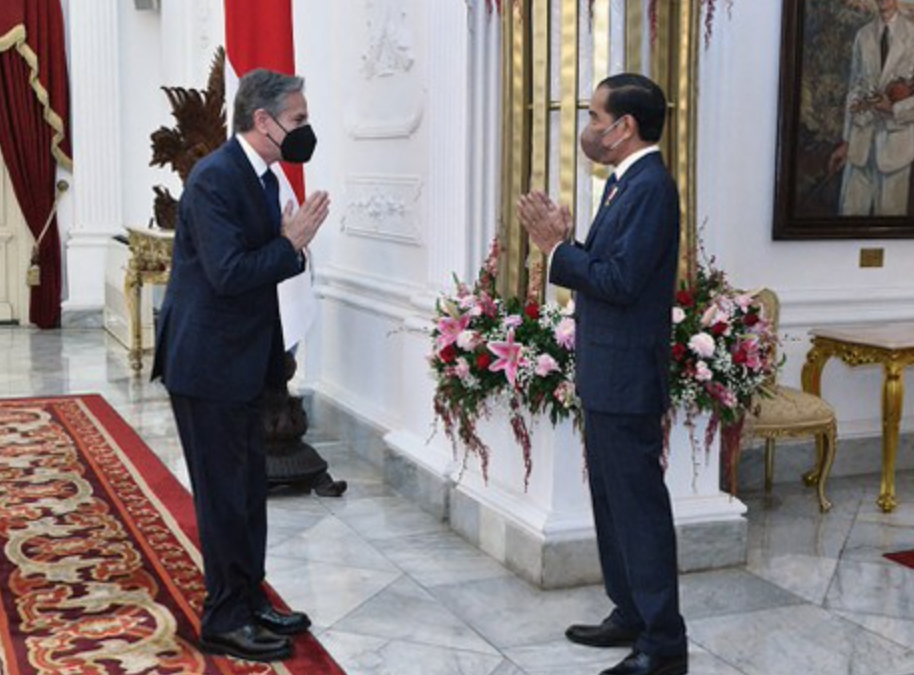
point(819, 282)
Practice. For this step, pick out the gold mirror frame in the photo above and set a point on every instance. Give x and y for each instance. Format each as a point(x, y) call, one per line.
point(527, 101)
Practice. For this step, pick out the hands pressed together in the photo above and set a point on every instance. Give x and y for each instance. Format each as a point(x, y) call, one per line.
point(547, 223)
point(300, 226)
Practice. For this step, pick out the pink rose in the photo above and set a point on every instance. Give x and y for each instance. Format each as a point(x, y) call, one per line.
point(703, 345)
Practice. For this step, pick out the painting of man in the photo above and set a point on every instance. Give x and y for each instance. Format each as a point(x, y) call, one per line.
point(846, 120)
point(877, 149)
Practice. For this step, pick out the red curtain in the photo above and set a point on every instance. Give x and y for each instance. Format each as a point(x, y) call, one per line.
point(34, 129)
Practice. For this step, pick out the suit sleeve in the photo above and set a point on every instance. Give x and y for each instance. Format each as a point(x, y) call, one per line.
point(230, 265)
point(615, 269)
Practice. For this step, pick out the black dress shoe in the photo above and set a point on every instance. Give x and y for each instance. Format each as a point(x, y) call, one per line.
point(280, 623)
point(607, 634)
point(250, 642)
point(639, 663)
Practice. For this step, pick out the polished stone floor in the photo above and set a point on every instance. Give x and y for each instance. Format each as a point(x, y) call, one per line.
point(392, 591)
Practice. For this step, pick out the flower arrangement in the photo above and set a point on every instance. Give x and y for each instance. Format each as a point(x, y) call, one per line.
point(723, 354)
point(486, 349)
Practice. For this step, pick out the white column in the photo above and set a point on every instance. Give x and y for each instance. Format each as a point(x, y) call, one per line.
point(95, 124)
point(448, 136)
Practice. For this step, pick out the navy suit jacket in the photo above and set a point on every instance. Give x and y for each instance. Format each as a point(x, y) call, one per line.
point(219, 334)
point(624, 276)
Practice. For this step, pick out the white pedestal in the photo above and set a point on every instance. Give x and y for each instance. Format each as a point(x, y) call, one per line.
point(546, 534)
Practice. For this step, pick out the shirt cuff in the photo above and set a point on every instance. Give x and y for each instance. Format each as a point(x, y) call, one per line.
point(552, 253)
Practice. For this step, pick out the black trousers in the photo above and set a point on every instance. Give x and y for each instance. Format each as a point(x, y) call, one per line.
point(223, 446)
point(635, 532)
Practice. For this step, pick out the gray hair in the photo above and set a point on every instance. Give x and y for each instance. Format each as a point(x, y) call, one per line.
point(265, 89)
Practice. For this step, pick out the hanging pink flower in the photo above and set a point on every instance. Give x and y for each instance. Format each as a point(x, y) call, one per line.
point(564, 333)
point(450, 329)
point(509, 355)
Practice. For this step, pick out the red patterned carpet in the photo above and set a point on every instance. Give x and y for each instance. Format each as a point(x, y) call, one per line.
point(905, 558)
point(99, 568)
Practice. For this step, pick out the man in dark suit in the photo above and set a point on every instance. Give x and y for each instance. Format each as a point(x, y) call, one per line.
point(624, 277)
point(220, 344)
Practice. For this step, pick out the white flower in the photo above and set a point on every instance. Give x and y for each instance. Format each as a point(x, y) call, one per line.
point(468, 340)
point(703, 345)
point(678, 315)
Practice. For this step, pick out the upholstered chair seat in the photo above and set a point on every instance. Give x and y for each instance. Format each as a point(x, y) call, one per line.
point(785, 412)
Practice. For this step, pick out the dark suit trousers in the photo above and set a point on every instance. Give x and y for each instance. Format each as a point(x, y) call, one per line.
point(635, 533)
point(223, 446)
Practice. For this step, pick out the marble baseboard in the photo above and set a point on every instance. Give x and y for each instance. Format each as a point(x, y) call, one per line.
point(566, 560)
point(82, 318)
point(854, 457)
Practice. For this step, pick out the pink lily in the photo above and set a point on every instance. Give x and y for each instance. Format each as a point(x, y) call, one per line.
point(450, 329)
point(509, 357)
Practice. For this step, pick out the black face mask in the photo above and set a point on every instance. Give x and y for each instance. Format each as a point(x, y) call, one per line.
point(298, 145)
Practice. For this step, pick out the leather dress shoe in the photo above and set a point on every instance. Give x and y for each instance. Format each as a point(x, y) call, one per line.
point(250, 643)
point(639, 663)
point(606, 634)
point(281, 623)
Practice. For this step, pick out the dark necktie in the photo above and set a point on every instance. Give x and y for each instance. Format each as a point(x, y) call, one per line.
point(884, 45)
point(611, 183)
point(271, 192)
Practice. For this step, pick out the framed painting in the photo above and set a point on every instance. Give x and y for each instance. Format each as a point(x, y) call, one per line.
point(845, 147)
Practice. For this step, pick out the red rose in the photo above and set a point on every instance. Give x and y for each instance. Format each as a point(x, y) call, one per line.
point(448, 354)
point(684, 298)
point(740, 357)
point(679, 351)
point(719, 328)
point(750, 319)
point(483, 361)
point(532, 310)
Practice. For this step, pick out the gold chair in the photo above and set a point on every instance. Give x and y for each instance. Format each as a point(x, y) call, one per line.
point(792, 413)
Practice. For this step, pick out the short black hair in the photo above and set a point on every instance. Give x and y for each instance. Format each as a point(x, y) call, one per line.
point(640, 97)
point(265, 89)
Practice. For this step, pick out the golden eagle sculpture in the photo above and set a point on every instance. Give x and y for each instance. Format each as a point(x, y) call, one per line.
point(199, 129)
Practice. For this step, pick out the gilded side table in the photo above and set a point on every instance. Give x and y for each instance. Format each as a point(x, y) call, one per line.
point(892, 346)
point(150, 263)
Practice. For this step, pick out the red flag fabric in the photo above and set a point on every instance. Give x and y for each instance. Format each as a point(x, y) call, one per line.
point(260, 35)
point(34, 130)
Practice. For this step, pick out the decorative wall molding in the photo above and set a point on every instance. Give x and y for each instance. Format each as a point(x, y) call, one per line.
point(805, 307)
point(367, 129)
point(383, 207)
point(390, 48)
point(389, 100)
point(367, 292)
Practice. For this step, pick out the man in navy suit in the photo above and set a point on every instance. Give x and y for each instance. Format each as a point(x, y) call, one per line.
point(624, 277)
point(220, 344)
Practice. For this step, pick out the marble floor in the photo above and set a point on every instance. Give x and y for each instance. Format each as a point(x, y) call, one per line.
point(392, 591)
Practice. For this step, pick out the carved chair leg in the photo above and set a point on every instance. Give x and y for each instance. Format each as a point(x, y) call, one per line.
point(830, 446)
point(769, 464)
point(811, 477)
